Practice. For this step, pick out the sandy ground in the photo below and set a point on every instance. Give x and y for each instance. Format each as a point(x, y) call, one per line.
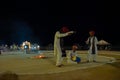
point(107, 71)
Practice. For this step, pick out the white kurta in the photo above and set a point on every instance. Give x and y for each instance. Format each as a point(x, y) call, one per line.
point(57, 47)
point(90, 42)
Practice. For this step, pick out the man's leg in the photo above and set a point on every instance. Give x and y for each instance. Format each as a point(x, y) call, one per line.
point(59, 59)
point(88, 56)
point(94, 57)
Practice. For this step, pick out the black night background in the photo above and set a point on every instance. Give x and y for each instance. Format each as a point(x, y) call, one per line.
point(37, 21)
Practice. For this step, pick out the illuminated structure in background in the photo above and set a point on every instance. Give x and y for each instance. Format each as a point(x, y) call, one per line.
point(26, 45)
point(35, 47)
point(104, 45)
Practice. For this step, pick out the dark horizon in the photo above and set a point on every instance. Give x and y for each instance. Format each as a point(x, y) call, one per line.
point(45, 35)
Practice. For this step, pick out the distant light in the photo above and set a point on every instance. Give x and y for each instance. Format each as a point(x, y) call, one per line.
point(34, 47)
point(23, 44)
point(26, 46)
point(38, 46)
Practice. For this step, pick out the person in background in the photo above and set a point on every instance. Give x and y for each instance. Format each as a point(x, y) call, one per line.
point(92, 44)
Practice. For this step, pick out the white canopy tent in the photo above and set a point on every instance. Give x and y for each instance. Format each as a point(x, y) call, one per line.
point(103, 42)
point(104, 45)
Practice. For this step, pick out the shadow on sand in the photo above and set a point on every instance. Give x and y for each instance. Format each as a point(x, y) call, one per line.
point(8, 75)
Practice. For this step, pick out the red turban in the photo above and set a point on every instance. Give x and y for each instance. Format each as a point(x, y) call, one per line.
point(92, 32)
point(65, 29)
point(74, 47)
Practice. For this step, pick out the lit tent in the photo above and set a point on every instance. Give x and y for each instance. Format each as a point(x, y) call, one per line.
point(103, 42)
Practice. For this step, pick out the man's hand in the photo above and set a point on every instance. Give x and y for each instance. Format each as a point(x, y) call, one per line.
point(71, 32)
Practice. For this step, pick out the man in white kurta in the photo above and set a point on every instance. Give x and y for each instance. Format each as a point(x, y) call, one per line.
point(57, 47)
point(92, 43)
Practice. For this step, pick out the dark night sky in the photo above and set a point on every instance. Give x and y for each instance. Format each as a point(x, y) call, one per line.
point(37, 21)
